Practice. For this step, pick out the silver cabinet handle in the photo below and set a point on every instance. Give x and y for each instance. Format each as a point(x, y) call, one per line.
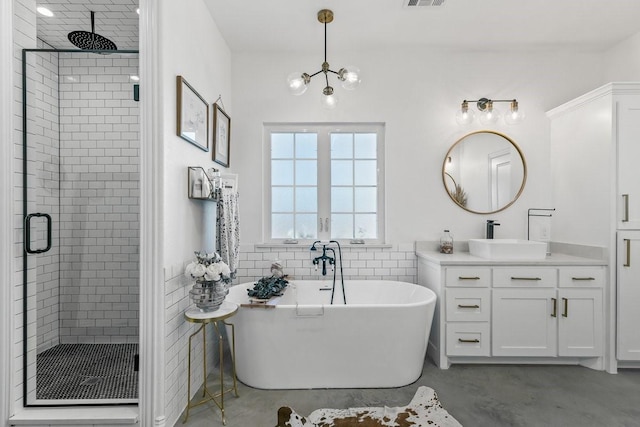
point(468, 306)
point(469, 341)
point(565, 312)
point(555, 308)
point(625, 198)
point(321, 225)
point(583, 278)
point(526, 278)
point(468, 278)
point(326, 224)
point(627, 243)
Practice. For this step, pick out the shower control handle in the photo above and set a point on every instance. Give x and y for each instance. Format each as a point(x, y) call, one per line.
point(27, 233)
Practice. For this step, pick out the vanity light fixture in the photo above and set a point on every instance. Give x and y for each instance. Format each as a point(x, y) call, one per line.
point(488, 113)
point(349, 76)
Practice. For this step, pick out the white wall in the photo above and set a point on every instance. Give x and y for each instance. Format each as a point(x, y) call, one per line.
point(416, 92)
point(582, 192)
point(44, 137)
point(190, 46)
point(99, 198)
point(622, 62)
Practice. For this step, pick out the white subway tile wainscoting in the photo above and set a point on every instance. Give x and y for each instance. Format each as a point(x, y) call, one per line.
point(379, 262)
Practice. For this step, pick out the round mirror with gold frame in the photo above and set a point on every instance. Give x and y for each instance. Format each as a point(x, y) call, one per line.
point(484, 172)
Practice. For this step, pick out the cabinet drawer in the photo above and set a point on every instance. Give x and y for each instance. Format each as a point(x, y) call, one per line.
point(582, 277)
point(535, 277)
point(468, 304)
point(468, 339)
point(468, 276)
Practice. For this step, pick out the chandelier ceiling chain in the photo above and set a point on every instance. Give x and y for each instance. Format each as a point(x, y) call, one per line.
point(348, 76)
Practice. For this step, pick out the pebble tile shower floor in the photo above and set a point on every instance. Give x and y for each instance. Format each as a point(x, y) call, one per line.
point(88, 371)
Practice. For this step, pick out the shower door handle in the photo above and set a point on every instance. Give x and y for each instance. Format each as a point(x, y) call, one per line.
point(27, 234)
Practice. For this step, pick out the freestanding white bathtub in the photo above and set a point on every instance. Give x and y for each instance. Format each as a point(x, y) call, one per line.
point(378, 339)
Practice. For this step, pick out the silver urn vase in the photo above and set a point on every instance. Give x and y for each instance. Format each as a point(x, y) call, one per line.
point(208, 295)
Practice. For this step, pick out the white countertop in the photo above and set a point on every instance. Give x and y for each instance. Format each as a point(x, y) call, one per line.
point(465, 258)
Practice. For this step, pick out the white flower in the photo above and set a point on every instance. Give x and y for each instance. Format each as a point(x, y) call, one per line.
point(189, 269)
point(224, 269)
point(213, 272)
point(199, 270)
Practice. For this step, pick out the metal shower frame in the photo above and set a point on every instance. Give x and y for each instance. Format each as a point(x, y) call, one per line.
point(25, 215)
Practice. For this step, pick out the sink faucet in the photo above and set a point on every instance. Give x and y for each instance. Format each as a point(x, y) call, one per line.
point(490, 225)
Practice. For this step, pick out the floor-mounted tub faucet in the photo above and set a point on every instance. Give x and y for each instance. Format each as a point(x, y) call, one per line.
point(324, 258)
point(490, 225)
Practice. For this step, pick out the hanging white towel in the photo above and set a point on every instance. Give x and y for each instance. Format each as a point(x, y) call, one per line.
point(228, 235)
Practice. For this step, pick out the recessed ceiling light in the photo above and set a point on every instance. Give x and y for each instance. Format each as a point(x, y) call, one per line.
point(135, 78)
point(44, 11)
point(138, 11)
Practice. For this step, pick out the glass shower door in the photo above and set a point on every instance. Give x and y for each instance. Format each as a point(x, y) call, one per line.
point(80, 197)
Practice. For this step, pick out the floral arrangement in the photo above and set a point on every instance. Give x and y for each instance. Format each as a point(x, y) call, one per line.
point(208, 266)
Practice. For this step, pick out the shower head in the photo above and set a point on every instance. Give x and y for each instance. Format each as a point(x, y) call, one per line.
point(90, 40)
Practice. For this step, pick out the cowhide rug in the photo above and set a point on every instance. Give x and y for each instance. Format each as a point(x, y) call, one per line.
point(423, 410)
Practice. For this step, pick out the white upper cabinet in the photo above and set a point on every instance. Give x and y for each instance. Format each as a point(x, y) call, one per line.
point(628, 128)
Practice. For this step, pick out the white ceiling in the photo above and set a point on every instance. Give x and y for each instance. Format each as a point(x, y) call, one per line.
point(116, 20)
point(291, 25)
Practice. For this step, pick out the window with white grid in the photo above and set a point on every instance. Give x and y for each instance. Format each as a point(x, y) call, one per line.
point(324, 181)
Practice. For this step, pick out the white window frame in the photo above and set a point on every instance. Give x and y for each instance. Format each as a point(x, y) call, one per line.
point(323, 130)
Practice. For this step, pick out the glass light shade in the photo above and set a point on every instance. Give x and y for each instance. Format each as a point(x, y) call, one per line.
point(489, 116)
point(464, 116)
point(296, 83)
point(515, 114)
point(349, 77)
point(328, 99)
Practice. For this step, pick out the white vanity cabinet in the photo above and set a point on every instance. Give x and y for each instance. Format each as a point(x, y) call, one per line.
point(563, 318)
point(503, 313)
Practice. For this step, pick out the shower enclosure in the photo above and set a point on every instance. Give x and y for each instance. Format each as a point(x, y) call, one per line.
point(81, 226)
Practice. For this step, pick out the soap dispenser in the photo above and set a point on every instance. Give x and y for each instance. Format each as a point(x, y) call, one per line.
point(446, 243)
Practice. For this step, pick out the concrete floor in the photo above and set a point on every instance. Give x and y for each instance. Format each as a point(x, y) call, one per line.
point(476, 395)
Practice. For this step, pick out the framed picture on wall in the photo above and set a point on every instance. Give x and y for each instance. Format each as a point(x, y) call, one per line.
point(221, 136)
point(193, 115)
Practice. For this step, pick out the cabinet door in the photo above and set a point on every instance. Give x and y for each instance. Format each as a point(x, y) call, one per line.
point(628, 298)
point(580, 322)
point(628, 130)
point(524, 322)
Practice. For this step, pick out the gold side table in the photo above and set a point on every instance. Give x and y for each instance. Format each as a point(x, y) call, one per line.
point(194, 315)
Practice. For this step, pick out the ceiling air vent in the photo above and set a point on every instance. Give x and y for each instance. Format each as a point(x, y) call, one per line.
point(417, 3)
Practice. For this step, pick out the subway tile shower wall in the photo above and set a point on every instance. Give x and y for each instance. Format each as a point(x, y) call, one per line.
point(397, 262)
point(99, 231)
point(44, 146)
